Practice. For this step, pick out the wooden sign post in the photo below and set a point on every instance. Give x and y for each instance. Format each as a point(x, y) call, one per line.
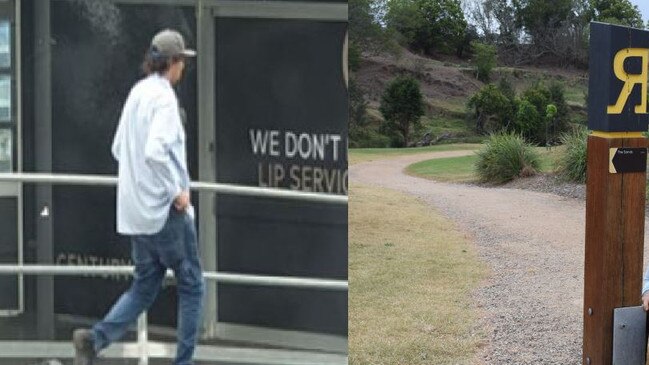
point(616, 178)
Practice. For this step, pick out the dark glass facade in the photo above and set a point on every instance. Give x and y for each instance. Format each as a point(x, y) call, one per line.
point(279, 75)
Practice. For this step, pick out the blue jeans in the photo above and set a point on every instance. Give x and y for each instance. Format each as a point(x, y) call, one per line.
point(174, 247)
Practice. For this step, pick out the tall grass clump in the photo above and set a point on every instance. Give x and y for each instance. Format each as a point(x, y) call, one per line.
point(571, 165)
point(504, 157)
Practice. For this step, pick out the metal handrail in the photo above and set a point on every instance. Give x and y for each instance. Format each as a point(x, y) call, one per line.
point(142, 332)
point(230, 189)
point(222, 277)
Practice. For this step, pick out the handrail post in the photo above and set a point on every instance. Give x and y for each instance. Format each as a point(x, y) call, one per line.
point(142, 339)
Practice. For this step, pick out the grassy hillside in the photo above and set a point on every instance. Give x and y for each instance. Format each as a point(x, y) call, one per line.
point(448, 84)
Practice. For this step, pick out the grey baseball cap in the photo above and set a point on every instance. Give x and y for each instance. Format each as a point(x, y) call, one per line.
point(170, 43)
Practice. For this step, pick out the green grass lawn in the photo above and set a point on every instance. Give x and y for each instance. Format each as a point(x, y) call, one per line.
point(451, 169)
point(357, 155)
point(461, 169)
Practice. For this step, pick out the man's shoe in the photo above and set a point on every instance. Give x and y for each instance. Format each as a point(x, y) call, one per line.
point(84, 347)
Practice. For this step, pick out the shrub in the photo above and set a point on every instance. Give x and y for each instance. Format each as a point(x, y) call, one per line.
point(394, 138)
point(550, 111)
point(402, 106)
point(484, 59)
point(539, 96)
point(507, 88)
point(360, 137)
point(555, 118)
point(558, 98)
point(504, 157)
point(571, 165)
point(491, 109)
point(528, 120)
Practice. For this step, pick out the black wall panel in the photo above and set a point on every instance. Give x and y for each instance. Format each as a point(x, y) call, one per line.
point(280, 81)
point(604, 87)
point(97, 50)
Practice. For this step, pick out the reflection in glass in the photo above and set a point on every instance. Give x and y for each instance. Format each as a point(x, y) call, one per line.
point(5, 98)
point(5, 150)
point(5, 44)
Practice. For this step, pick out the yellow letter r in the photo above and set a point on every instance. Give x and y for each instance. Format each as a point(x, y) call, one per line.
point(630, 80)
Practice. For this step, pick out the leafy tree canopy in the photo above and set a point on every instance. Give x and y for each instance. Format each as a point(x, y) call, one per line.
point(402, 106)
point(428, 25)
point(617, 12)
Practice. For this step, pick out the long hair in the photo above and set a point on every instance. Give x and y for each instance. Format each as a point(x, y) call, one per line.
point(155, 62)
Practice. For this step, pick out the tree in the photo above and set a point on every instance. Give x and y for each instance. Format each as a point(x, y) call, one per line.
point(556, 29)
point(550, 127)
point(617, 12)
point(362, 23)
point(528, 120)
point(481, 15)
point(505, 13)
point(550, 107)
point(506, 88)
point(492, 110)
point(470, 36)
point(484, 59)
point(428, 25)
point(539, 96)
point(365, 30)
point(402, 106)
point(558, 99)
point(541, 16)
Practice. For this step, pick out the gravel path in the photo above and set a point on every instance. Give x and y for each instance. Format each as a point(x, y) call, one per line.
point(534, 245)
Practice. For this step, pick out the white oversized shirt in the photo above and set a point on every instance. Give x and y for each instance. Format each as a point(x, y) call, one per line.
point(149, 146)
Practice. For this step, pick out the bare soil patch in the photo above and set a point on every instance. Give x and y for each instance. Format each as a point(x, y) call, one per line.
point(547, 183)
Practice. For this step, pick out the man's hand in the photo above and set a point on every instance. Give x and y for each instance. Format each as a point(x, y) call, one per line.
point(181, 202)
point(645, 301)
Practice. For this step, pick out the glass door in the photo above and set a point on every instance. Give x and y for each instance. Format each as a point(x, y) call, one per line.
point(11, 302)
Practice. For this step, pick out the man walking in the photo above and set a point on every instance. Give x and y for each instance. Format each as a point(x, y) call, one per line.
point(153, 204)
